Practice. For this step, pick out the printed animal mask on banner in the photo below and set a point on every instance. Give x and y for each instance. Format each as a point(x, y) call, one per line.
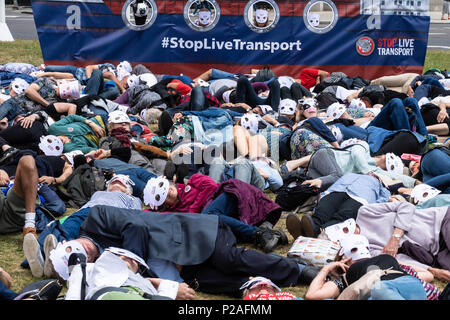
point(261, 16)
point(314, 19)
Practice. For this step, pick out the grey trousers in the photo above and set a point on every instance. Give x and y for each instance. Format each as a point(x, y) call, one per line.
point(244, 170)
point(323, 166)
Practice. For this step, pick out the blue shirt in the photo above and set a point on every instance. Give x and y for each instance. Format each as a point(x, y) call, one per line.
point(360, 187)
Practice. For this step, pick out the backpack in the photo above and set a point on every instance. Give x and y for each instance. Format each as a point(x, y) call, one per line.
point(293, 194)
point(84, 181)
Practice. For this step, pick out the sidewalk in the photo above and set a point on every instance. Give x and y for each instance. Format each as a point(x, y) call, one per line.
point(435, 17)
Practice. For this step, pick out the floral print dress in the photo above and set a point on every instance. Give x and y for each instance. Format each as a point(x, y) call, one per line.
point(183, 129)
point(305, 142)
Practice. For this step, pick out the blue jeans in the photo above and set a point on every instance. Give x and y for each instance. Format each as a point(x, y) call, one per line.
point(425, 88)
point(226, 207)
point(10, 109)
point(352, 132)
point(78, 73)
point(219, 74)
point(52, 201)
point(140, 176)
point(96, 86)
point(393, 116)
point(435, 167)
point(402, 288)
point(6, 293)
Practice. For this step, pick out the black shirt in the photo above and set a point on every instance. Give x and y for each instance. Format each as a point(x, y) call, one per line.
point(361, 267)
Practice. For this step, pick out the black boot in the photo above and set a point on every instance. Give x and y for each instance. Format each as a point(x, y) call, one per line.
point(308, 274)
point(267, 239)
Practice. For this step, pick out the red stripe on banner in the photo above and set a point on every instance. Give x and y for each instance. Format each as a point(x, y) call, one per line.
point(346, 8)
point(193, 70)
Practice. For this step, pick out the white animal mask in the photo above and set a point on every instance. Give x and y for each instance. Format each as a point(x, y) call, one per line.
point(51, 145)
point(142, 9)
point(287, 106)
point(355, 246)
point(335, 110)
point(204, 17)
point(156, 191)
point(250, 122)
point(338, 231)
point(394, 163)
point(69, 89)
point(261, 16)
point(337, 133)
point(314, 19)
point(19, 85)
point(60, 256)
point(423, 192)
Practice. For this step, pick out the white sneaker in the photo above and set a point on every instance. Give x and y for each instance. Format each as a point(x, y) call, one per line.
point(32, 252)
point(50, 243)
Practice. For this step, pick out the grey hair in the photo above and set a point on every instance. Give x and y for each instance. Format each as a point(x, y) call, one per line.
point(152, 115)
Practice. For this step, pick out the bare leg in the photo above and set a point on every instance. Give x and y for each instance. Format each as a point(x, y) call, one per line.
point(441, 129)
point(322, 74)
point(26, 183)
point(241, 140)
point(258, 146)
point(206, 76)
point(294, 164)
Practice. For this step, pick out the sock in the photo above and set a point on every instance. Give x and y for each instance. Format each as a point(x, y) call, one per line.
point(29, 220)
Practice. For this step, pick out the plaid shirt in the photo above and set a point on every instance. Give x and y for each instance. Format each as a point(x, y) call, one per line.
point(212, 100)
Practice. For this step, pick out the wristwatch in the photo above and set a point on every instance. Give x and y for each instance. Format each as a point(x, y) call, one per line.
point(397, 236)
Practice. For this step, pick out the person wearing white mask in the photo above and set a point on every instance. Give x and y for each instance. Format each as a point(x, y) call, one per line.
point(355, 262)
point(116, 275)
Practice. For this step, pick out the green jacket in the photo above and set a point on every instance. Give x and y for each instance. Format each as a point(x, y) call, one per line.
point(357, 159)
point(81, 134)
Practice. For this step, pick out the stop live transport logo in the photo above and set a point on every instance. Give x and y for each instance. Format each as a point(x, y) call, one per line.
point(365, 46)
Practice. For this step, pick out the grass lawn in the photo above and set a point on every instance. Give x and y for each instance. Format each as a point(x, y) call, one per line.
point(11, 254)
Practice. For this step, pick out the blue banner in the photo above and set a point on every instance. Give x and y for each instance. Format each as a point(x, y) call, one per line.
point(191, 36)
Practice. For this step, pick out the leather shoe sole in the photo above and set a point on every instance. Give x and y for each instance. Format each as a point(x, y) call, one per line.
point(293, 225)
point(307, 225)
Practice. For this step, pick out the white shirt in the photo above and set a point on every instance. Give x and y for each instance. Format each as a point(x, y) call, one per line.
point(111, 271)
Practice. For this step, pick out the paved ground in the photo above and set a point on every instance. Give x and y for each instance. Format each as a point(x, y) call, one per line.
point(21, 23)
point(22, 27)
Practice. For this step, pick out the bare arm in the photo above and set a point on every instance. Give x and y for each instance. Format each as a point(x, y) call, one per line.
point(111, 76)
point(32, 92)
point(319, 288)
point(89, 70)
point(56, 75)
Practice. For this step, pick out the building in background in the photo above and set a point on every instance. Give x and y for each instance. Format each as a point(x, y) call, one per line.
point(398, 7)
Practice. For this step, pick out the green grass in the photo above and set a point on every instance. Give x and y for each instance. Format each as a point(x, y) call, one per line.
point(11, 253)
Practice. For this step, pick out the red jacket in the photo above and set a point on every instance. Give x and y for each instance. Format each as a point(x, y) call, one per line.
point(194, 194)
point(253, 205)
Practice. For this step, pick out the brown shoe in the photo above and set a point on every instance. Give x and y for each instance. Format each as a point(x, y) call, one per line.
point(308, 224)
point(293, 225)
point(29, 230)
point(149, 151)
